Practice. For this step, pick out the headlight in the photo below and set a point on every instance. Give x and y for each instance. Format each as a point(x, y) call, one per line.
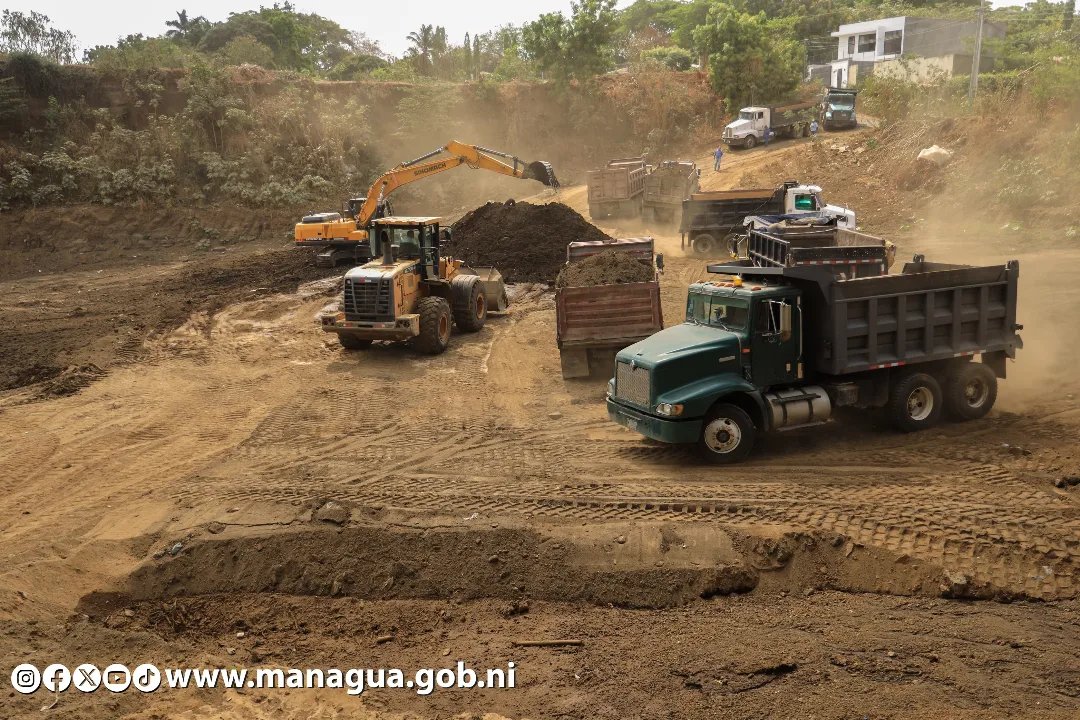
point(828, 114)
point(611, 388)
point(669, 409)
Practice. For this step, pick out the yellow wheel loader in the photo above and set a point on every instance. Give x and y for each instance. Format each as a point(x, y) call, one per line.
point(343, 236)
point(412, 292)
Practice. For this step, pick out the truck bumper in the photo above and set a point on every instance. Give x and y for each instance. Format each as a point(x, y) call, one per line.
point(669, 431)
point(402, 328)
point(735, 142)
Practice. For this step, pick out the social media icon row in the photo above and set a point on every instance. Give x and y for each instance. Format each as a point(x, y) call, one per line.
point(26, 678)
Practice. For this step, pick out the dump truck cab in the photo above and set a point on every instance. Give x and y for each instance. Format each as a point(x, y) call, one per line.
point(411, 290)
point(737, 337)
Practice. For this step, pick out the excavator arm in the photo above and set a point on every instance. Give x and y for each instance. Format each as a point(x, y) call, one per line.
point(452, 155)
point(341, 236)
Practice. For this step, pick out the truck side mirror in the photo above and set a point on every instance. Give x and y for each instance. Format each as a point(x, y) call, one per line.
point(785, 322)
point(660, 263)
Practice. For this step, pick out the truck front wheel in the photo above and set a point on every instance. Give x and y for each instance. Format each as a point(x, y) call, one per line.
point(970, 391)
point(915, 403)
point(727, 435)
point(751, 141)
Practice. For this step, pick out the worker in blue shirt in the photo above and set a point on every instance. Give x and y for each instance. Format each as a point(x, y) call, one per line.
point(768, 135)
point(717, 157)
point(813, 127)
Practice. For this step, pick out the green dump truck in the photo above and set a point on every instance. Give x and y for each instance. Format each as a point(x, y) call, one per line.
point(778, 347)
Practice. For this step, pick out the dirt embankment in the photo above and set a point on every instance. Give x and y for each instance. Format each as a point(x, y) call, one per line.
point(67, 329)
point(526, 242)
point(42, 241)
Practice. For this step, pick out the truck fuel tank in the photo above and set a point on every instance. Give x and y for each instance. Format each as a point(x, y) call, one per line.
point(798, 407)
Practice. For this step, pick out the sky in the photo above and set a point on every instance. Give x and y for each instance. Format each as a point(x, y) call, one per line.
point(103, 22)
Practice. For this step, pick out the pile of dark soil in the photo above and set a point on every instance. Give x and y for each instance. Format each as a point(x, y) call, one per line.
point(526, 242)
point(606, 268)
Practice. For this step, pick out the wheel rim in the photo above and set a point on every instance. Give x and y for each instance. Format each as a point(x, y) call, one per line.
point(976, 393)
point(702, 245)
point(480, 306)
point(920, 403)
point(444, 327)
point(722, 435)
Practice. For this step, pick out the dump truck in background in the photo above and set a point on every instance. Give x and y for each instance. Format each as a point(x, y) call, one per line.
point(593, 322)
point(837, 109)
point(788, 120)
point(667, 186)
point(618, 189)
point(711, 221)
point(794, 241)
point(777, 348)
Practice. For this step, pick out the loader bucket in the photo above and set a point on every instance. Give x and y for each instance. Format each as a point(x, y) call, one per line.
point(494, 287)
point(542, 172)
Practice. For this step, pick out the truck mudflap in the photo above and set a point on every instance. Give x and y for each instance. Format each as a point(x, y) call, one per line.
point(669, 431)
point(402, 328)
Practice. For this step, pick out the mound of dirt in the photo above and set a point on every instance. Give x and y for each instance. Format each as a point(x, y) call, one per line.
point(606, 268)
point(526, 242)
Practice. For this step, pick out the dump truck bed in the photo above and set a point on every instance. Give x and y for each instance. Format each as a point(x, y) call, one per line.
point(928, 312)
point(621, 180)
point(600, 319)
point(671, 183)
point(853, 253)
point(725, 211)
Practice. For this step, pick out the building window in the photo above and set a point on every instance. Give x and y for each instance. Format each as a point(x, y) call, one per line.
point(894, 41)
point(851, 45)
point(867, 43)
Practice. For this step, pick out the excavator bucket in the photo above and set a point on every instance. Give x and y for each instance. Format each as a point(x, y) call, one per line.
point(541, 171)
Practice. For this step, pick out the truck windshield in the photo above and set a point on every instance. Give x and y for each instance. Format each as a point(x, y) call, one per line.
point(722, 312)
point(747, 114)
point(841, 103)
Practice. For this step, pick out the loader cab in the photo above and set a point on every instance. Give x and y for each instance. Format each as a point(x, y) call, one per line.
point(398, 238)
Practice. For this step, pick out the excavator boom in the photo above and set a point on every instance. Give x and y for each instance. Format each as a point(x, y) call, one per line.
point(344, 235)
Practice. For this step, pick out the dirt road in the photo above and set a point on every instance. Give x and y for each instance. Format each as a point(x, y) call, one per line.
point(811, 581)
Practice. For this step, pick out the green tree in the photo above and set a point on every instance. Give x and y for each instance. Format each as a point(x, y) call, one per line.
point(35, 34)
point(576, 48)
point(244, 49)
point(187, 29)
point(750, 59)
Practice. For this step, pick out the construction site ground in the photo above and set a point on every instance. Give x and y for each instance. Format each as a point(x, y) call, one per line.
point(385, 509)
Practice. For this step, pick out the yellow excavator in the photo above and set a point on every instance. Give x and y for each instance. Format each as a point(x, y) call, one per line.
point(345, 237)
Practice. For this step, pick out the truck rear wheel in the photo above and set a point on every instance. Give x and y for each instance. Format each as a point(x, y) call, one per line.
point(970, 391)
point(703, 244)
point(728, 435)
point(351, 342)
point(434, 326)
point(470, 303)
point(915, 402)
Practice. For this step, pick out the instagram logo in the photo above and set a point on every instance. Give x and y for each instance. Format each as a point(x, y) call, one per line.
point(25, 678)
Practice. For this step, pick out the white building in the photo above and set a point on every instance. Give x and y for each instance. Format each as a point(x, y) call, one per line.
point(872, 45)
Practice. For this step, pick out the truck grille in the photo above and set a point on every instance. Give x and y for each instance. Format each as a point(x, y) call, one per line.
point(632, 384)
point(368, 299)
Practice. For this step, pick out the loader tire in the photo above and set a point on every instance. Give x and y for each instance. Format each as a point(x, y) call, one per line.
point(470, 303)
point(434, 326)
point(970, 391)
point(350, 342)
point(915, 402)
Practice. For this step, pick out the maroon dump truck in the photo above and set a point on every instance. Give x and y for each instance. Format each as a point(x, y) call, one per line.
point(594, 322)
